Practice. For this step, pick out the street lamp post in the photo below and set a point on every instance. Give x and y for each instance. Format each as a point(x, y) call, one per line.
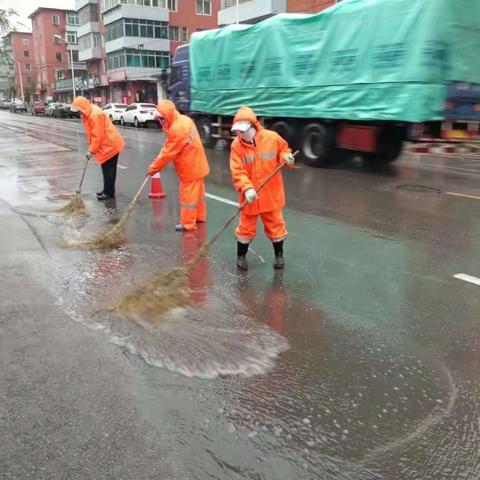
point(67, 43)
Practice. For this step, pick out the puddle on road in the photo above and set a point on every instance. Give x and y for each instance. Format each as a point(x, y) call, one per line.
point(206, 341)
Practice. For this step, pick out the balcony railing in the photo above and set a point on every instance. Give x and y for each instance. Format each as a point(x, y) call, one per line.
point(230, 3)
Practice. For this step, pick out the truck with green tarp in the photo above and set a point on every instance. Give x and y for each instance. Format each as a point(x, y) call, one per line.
point(363, 75)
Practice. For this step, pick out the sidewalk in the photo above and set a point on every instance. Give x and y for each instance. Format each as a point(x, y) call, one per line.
point(70, 402)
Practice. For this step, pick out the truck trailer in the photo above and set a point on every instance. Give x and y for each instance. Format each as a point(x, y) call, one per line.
point(363, 75)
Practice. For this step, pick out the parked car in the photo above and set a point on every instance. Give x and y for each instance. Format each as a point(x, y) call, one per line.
point(139, 114)
point(5, 104)
point(38, 108)
point(50, 109)
point(18, 106)
point(114, 111)
point(66, 112)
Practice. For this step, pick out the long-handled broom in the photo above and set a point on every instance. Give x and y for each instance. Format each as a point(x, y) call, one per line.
point(168, 289)
point(76, 205)
point(113, 237)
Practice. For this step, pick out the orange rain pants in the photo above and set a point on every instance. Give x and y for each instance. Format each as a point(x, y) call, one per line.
point(273, 223)
point(193, 207)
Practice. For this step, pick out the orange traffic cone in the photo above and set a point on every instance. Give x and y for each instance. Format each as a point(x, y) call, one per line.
point(156, 188)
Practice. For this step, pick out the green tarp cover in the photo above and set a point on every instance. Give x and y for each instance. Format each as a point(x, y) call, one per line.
point(358, 60)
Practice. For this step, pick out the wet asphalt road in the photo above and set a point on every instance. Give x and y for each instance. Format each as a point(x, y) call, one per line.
point(359, 361)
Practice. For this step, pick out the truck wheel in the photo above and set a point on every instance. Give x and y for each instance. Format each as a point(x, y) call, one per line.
point(204, 127)
point(286, 131)
point(389, 145)
point(317, 144)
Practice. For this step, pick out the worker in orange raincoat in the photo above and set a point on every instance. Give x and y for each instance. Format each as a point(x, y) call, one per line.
point(255, 154)
point(104, 143)
point(184, 147)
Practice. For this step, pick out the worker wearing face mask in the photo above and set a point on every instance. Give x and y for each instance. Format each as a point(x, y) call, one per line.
point(255, 154)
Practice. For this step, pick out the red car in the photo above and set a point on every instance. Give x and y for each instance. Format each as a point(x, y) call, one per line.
point(38, 108)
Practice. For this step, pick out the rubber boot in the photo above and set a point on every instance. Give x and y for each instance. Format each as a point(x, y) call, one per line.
point(242, 249)
point(279, 262)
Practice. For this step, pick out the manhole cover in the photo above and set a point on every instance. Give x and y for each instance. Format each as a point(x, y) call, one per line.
point(417, 189)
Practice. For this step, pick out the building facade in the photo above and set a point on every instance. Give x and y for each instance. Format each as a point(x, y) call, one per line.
point(188, 17)
point(136, 46)
point(21, 66)
point(91, 49)
point(309, 6)
point(254, 11)
point(54, 35)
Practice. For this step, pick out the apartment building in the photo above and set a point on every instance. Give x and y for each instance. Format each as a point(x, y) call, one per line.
point(20, 71)
point(254, 11)
point(136, 47)
point(54, 36)
point(91, 49)
point(140, 37)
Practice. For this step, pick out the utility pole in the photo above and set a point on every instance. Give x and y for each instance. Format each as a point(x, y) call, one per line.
point(21, 79)
point(236, 12)
point(71, 64)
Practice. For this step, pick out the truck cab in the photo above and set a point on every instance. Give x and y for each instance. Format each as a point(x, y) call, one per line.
point(179, 84)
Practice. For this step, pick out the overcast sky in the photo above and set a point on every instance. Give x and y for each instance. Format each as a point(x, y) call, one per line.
point(26, 7)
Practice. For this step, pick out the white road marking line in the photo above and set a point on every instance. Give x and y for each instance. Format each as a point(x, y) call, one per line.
point(123, 167)
point(467, 278)
point(221, 199)
point(464, 195)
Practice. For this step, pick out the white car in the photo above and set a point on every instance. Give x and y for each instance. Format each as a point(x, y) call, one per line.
point(139, 114)
point(114, 111)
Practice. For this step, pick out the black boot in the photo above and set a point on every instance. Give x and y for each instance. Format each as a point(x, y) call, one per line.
point(279, 262)
point(242, 249)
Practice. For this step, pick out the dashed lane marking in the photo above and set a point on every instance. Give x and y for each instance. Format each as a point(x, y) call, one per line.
point(467, 278)
point(122, 167)
point(464, 195)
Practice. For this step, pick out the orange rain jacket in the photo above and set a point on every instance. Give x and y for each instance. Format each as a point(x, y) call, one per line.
point(103, 138)
point(182, 146)
point(251, 164)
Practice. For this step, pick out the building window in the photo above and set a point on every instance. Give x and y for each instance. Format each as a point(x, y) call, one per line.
point(58, 56)
point(28, 66)
point(75, 55)
point(109, 4)
point(26, 53)
point(184, 34)
point(57, 39)
point(72, 19)
point(132, 27)
point(88, 14)
point(175, 34)
point(130, 57)
point(89, 41)
point(25, 41)
point(204, 7)
point(172, 5)
point(60, 74)
point(56, 20)
point(72, 37)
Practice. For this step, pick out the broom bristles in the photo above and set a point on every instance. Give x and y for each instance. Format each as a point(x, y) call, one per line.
point(75, 206)
point(153, 297)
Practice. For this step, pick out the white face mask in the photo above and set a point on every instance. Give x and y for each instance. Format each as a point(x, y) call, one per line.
point(249, 135)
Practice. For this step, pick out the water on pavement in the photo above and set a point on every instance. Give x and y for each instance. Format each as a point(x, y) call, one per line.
point(357, 362)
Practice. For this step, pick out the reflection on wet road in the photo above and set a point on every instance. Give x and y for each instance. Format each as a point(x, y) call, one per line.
point(359, 361)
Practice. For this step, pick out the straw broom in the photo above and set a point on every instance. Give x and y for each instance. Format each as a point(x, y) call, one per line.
point(76, 205)
point(115, 236)
point(168, 289)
